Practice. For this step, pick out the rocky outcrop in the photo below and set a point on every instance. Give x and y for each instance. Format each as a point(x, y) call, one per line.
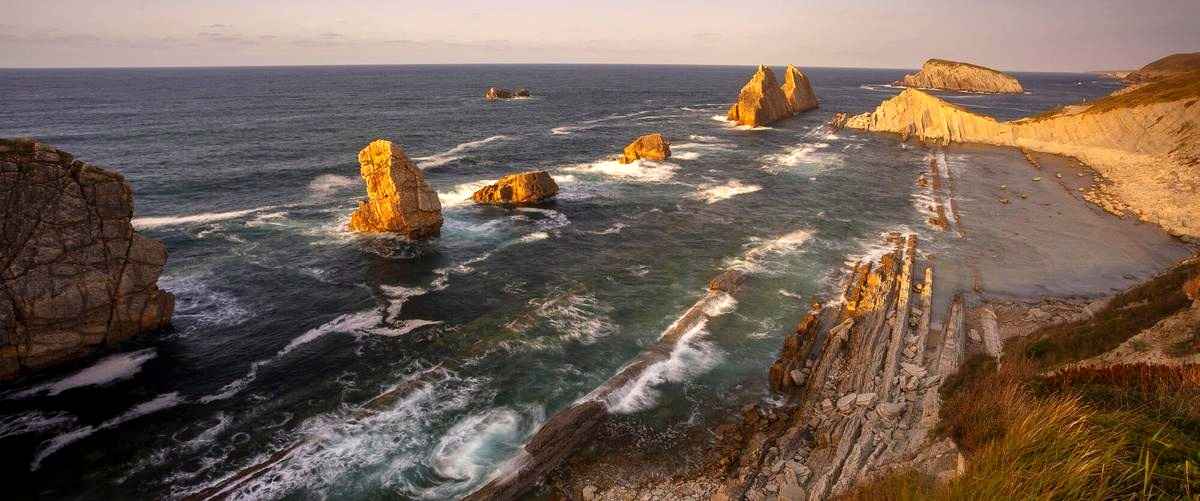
point(761, 101)
point(525, 188)
point(75, 275)
point(962, 77)
point(649, 147)
point(495, 93)
point(797, 90)
point(1172, 65)
point(1144, 141)
point(398, 199)
point(521, 92)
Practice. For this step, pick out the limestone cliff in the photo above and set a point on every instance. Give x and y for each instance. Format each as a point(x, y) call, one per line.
point(798, 91)
point(398, 199)
point(761, 101)
point(1172, 65)
point(650, 147)
point(963, 77)
point(524, 188)
point(1146, 140)
point(74, 275)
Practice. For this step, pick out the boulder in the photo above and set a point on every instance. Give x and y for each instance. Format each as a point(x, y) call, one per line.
point(963, 77)
point(798, 91)
point(494, 93)
point(761, 101)
point(649, 147)
point(518, 189)
point(76, 276)
point(398, 199)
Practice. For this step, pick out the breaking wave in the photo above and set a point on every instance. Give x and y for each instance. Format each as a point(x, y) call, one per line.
point(151, 222)
point(715, 193)
point(455, 153)
point(161, 402)
point(638, 170)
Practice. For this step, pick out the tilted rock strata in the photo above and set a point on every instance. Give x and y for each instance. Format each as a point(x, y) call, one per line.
point(761, 101)
point(518, 189)
point(963, 77)
point(797, 90)
point(650, 147)
point(75, 275)
point(1145, 141)
point(398, 199)
point(1172, 65)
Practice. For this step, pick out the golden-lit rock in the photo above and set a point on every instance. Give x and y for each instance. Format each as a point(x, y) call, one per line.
point(398, 199)
point(524, 188)
point(494, 93)
point(761, 101)
point(1192, 288)
point(649, 147)
point(963, 77)
point(798, 91)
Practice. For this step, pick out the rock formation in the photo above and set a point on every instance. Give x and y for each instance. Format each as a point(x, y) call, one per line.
point(521, 92)
point(963, 77)
point(1145, 141)
point(75, 276)
point(798, 91)
point(650, 147)
point(761, 101)
point(1172, 65)
point(525, 188)
point(494, 93)
point(398, 199)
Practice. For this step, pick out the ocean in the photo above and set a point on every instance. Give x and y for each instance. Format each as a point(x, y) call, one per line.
point(286, 323)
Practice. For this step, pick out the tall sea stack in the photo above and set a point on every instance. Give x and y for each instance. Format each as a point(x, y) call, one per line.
point(763, 101)
point(398, 199)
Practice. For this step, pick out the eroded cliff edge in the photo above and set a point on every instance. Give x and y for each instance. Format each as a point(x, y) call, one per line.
point(962, 77)
point(75, 275)
point(1144, 140)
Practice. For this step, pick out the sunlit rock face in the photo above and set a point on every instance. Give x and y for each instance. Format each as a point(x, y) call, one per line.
point(941, 74)
point(525, 188)
point(398, 198)
point(761, 101)
point(797, 90)
point(649, 147)
point(75, 276)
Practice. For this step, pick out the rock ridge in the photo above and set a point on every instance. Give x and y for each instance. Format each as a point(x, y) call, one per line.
point(941, 74)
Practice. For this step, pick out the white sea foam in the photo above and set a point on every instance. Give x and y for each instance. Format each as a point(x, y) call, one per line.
point(712, 194)
point(691, 355)
point(533, 237)
point(611, 230)
point(269, 218)
point(403, 327)
point(686, 155)
point(873, 249)
point(591, 124)
point(475, 443)
point(197, 301)
point(33, 422)
point(551, 219)
point(456, 153)
point(461, 194)
point(151, 222)
point(327, 184)
point(161, 402)
point(397, 296)
point(734, 125)
point(638, 170)
point(578, 317)
point(760, 252)
point(801, 155)
point(108, 370)
point(564, 179)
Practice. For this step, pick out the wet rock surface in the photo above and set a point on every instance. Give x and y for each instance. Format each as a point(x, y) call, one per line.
point(650, 147)
point(525, 188)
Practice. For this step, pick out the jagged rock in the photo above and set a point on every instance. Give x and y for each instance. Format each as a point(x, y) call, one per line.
point(650, 147)
point(398, 199)
point(76, 277)
point(1191, 288)
point(912, 369)
point(798, 91)
point(838, 121)
point(864, 399)
point(728, 281)
point(973, 334)
point(494, 93)
point(525, 188)
point(889, 410)
point(846, 402)
point(964, 77)
point(761, 101)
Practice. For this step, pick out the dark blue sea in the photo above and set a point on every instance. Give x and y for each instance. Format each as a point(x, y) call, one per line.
point(286, 323)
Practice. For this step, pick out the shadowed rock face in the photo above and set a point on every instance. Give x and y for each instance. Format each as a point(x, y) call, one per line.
point(963, 77)
point(518, 189)
point(761, 101)
point(398, 199)
point(798, 91)
point(74, 276)
point(650, 147)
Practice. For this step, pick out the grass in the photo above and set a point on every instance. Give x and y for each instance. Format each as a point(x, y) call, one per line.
point(1117, 432)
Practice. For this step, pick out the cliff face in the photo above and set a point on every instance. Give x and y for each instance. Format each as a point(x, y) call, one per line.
point(518, 189)
point(761, 101)
point(798, 91)
point(398, 199)
point(1145, 140)
point(650, 147)
point(963, 77)
point(74, 275)
point(1174, 64)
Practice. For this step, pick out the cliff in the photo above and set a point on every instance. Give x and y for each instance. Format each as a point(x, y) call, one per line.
point(524, 188)
point(75, 276)
point(1172, 65)
point(761, 101)
point(398, 199)
point(1145, 140)
point(963, 77)
point(797, 90)
point(649, 147)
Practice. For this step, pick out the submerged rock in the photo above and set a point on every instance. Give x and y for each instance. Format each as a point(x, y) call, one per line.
point(963, 77)
point(761, 101)
point(76, 276)
point(518, 189)
point(798, 91)
point(494, 93)
point(398, 199)
point(649, 147)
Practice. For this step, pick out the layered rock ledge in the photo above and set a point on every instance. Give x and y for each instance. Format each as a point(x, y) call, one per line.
point(74, 275)
point(650, 147)
point(763, 101)
point(941, 74)
point(1145, 141)
point(525, 188)
point(398, 198)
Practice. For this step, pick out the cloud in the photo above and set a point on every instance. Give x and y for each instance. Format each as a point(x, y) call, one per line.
point(224, 38)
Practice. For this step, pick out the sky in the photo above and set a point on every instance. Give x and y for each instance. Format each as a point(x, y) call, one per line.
point(1020, 35)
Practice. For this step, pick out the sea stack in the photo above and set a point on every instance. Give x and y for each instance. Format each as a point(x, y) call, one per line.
point(763, 101)
point(525, 188)
point(940, 74)
point(496, 93)
point(798, 91)
point(77, 277)
point(398, 199)
point(649, 147)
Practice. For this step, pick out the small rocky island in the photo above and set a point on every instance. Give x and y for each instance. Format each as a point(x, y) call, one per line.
point(525, 188)
point(496, 93)
point(398, 198)
point(763, 101)
point(940, 74)
point(76, 277)
point(649, 147)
